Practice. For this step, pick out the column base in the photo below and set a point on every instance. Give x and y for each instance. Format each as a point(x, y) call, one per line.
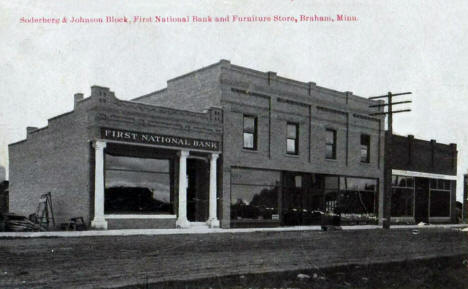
point(213, 223)
point(99, 224)
point(183, 224)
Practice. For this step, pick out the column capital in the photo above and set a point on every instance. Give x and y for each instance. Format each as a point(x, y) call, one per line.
point(183, 153)
point(100, 144)
point(214, 156)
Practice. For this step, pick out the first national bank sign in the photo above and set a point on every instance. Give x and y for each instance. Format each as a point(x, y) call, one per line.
point(157, 139)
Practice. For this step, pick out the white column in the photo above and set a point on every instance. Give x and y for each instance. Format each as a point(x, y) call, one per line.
point(213, 221)
point(99, 222)
point(182, 221)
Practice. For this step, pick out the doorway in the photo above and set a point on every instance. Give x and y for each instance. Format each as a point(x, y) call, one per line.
point(198, 175)
point(421, 213)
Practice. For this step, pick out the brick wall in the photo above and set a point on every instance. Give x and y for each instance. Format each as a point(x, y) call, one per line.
point(275, 101)
point(194, 91)
point(53, 159)
point(423, 156)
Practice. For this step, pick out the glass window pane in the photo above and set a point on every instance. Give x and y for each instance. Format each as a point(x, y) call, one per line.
point(402, 202)
point(446, 185)
point(358, 184)
point(329, 152)
point(365, 140)
point(355, 202)
point(331, 183)
point(330, 137)
point(298, 181)
point(410, 182)
point(291, 146)
point(292, 130)
point(136, 164)
point(356, 198)
point(401, 181)
point(248, 141)
point(249, 124)
point(253, 202)
point(439, 203)
point(394, 180)
point(137, 185)
point(364, 154)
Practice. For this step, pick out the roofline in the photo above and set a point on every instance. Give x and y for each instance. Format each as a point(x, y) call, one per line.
point(421, 139)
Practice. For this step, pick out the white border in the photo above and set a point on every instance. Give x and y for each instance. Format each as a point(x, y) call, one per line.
point(198, 230)
point(423, 175)
point(117, 216)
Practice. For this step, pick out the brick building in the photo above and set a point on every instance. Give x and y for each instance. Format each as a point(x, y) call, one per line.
point(221, 146)
point(424, 177)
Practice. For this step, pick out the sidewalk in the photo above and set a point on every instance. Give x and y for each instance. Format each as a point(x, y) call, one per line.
point(198, 230)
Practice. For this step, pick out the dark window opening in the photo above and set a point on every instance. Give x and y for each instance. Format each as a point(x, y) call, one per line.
point(439, 198)
point(357, 196)
point(250, 132)
point(136, 185)
point(302, 199)
point(402, 196)
point(254, 195)
point(365, 148)
point(330, 144)
point(292, 136)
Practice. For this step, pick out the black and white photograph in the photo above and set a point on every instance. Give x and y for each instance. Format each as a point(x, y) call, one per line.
point(234, 144)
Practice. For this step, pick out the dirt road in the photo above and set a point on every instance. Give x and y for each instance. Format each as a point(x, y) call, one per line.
point(103, 262)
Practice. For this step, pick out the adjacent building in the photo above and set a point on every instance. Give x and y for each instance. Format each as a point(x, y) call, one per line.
point(424, 177)
point(222, 146)
point(4, 197)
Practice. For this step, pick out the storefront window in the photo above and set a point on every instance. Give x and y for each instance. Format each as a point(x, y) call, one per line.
point(402, 196)
point(439, 198)
point(302, 199)
point(254, 195)
point(357, 196)
point(331, 193)
point(137, 185)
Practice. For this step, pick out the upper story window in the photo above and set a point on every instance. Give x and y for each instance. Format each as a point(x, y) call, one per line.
point(330, 144)
point(292, 137)
point(365, 148)
point(250, 132)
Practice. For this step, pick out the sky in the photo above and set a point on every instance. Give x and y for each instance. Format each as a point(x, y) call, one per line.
point(395, 46)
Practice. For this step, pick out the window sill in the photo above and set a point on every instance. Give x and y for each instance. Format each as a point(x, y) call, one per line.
point(291, 155)
point(249, 151)
point(402, 218)
point(438, 219)
point(331, 160)
point(137, 216)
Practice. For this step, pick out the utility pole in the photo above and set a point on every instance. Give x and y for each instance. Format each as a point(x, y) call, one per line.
point(388, 153)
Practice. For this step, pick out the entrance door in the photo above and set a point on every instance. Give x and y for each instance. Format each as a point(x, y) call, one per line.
point(198, 190)
point(422, 200)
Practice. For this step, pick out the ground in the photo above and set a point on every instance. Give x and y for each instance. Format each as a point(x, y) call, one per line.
point(105, 262)
point(439, 273)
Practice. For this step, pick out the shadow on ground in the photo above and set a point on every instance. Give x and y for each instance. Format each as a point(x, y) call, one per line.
point(440, 273)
